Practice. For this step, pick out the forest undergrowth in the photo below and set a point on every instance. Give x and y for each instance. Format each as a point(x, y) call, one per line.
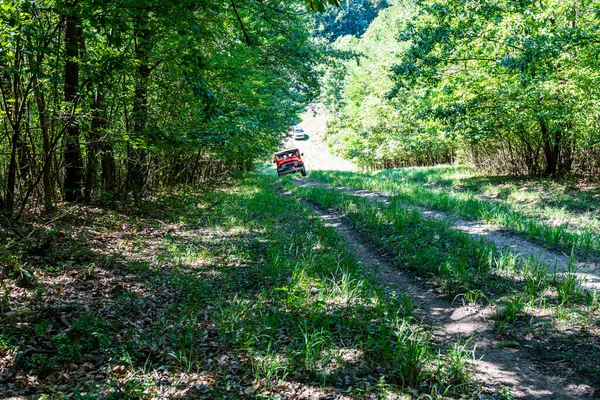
point(535, 310)
point(238, 292)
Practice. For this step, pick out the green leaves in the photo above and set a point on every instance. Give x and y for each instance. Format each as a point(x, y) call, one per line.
point(321, 5)
point(496, 77)
point(162, 76)
point(376, 119)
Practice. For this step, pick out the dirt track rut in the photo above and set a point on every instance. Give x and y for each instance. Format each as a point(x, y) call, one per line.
point(495, 367)
point(589, 275)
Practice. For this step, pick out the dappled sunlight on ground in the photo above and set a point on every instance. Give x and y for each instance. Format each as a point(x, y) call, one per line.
point(505, 362)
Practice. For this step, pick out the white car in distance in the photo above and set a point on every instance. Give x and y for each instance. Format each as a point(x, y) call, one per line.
point(299, 133)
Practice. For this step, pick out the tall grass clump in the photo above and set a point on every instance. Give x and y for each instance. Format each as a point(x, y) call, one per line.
point(312, 312)
point(422, 188)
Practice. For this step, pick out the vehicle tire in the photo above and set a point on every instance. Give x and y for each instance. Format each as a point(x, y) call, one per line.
point(303, 171)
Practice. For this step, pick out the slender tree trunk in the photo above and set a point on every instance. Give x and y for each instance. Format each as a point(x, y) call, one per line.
point(44, 126)
point(137, 162)
point(47, 148)
point(73, 161)
point(92, 146)
point(15, 122)
point(102, 145)
point(12, 170)
point(108, 168)
point(568, 147)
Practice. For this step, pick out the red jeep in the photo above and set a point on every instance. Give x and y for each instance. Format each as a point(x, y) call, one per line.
point(289, 161)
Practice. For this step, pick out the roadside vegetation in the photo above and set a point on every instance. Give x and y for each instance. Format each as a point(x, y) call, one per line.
point(109, 100)
point(228, 293)
point(556, 215)
point(141, 258)
point(534, 308)
point(509, 86)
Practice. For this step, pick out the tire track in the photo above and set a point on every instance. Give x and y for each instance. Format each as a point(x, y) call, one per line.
point(494, 367)
point(588, 275)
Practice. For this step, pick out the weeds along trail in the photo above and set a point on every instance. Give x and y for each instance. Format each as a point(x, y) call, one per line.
point(586, 274)
point(467, 325)
point(549, 325)
point(233, 293)
point(535, 222)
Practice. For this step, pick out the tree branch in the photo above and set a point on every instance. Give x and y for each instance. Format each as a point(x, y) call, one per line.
point(246, 36)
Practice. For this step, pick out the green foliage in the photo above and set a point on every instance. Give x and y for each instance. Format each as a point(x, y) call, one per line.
point(506, 74)
point(510, 86)
point(167, 92)
point(350, 18)
point(370, 126)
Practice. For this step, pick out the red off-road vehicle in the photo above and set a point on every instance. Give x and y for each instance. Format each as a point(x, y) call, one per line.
point(289, 161)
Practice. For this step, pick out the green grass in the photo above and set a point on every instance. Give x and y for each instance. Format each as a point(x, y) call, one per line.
point(522, 290)
point(432, 248)
point(444, 188)
point(224, 295)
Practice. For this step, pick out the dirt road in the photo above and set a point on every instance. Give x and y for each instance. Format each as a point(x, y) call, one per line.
point(316, 153)
point(495, 366)
point(317, 156)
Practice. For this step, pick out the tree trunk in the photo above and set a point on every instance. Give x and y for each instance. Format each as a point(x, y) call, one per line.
point(12, 170)
point(566, 156)
point(15, 123)
point(73, 161)
point(137, 163)
point(44, 126)
point(104, 145)
point(47, 148)
point(108, 168)
point(92, 146)
point(551, 149)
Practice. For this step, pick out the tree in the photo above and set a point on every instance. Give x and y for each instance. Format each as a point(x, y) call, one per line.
point(506, 73)
point(120, 96)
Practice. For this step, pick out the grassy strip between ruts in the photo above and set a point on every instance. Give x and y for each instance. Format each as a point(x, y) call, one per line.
point(547, 196)
point(469, 205)
point(531, 303)
point(565, 202)
point(240, 292)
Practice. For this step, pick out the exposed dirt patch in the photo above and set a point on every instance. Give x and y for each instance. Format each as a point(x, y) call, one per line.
point(495, 367)
point(316, 153)
point(316, 156)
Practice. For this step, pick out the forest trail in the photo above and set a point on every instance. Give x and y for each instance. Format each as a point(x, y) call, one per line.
point(316, 153)
point(318, 157)
point(588, 274)
point(495, 366)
